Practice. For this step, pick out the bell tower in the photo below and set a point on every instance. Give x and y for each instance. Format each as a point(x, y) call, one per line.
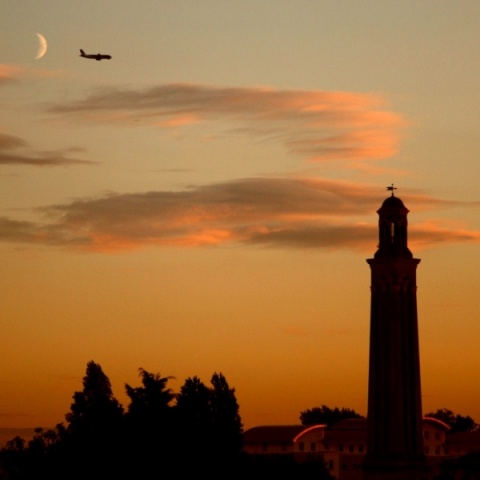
point(394, 418)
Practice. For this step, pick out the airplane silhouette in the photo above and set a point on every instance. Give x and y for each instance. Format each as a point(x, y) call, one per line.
point(97, 57)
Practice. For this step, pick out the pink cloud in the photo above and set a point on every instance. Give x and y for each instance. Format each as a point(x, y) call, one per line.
point(317, 125)
point(10, 73)
point(258, 212)
point(431, 233)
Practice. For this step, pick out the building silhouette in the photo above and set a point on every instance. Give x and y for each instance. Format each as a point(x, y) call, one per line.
point(343, 445)
point(394, 427)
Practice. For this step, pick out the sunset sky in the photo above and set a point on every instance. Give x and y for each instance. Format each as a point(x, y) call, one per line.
point(206, 200)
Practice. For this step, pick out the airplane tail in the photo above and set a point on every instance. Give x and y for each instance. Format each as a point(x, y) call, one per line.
point(82, 53)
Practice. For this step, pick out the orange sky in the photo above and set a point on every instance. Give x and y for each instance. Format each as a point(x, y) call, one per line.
point(205, 201)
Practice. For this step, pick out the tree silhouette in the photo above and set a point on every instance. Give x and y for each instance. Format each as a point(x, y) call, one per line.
point(197, 431)
point(15, 461)
point(457, 423)
point(93, 437)
point(209, 425)
point(326, 415)
point(194, 421)
point(94, 409)
point(193, 405)
point(150, 422)
point(228, 427)
point(153, 399)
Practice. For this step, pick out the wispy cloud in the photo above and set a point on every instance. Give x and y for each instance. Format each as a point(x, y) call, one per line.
point(317, 125)
point(444, 232)
point(16, 151)
point(285, 212)
point(9, 73)
point(263, 212)
point(13, 73)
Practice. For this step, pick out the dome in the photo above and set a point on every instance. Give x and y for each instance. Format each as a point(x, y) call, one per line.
point(393, 202)
point(392, 206)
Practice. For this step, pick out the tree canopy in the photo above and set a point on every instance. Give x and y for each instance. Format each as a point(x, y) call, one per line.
point(326, 415)
point(456, 422)
point(196, 430)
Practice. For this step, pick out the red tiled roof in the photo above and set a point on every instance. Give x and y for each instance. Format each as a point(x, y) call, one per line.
point(437, 422)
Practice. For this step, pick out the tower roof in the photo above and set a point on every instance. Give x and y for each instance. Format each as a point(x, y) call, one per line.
point(393, 202)
point(393, 205)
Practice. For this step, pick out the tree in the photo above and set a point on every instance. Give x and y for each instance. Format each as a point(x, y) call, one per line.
point(153, 399)
point(93, 437)
point(14, 459)
point(16, 444)
point(94, 409)
point(457, 423)
point(150, 422)
point(227, 424)
point(200, 433)
point(210, 428)
point(194, 421)
point(88, 447)
point(193, 408)
point(44, 454)
point(326, 415)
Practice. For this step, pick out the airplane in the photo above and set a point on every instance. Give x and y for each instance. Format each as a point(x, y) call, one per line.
point(97, 57)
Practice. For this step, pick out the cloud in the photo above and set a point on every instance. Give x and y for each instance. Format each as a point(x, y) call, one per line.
point(258, 212)
point(317, 125)
point(14, 151)
point(14, 73)
point(443, 232)
point(9, 73)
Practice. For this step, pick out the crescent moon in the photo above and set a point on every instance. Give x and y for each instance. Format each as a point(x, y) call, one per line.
point(42, 46)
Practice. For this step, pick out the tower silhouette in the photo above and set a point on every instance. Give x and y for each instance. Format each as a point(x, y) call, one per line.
point(394, 418)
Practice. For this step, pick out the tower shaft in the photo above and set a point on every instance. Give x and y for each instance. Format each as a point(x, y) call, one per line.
point(394, 418)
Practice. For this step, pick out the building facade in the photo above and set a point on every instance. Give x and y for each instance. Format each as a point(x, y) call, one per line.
point(343, 446)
